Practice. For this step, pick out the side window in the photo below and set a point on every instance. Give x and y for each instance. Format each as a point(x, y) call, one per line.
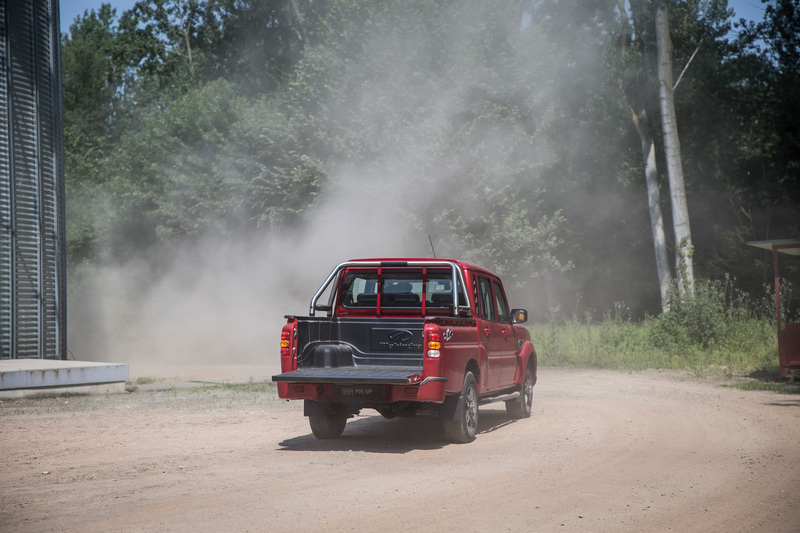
point(502, 305)
point(487, 301)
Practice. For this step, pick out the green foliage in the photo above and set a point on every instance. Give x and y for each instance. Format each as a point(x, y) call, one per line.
point(497, 128)
point(438, 97)
point(695, 322)
point(720, 328)
point(92, 77)
point(718, 317)
point(215, 163)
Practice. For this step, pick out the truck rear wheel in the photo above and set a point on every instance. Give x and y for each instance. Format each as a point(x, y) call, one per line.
point(463, 425)
point(327, 425)
point(521, 407)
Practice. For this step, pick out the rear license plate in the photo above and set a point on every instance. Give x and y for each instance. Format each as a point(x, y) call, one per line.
point(357, 392)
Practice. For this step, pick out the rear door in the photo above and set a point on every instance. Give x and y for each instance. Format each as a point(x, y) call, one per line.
point(508, 349)
point(497, 336)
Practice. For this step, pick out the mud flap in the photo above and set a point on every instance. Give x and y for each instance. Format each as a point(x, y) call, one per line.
point(447, 410)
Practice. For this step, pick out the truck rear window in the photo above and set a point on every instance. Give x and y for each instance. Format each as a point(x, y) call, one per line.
point(400, 289)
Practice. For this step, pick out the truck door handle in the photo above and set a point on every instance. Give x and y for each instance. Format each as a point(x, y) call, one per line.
point(505, 334)
point(488, 332)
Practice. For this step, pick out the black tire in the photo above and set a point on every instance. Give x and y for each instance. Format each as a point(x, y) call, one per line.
point(521, 407)
point(327, 425)
point(463, 425)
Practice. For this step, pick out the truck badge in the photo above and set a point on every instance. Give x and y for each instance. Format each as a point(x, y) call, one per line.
point(448, 334)
point(400, 335)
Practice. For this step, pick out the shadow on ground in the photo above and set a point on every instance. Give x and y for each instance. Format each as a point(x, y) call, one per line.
point(375, 434)
point(769, 380)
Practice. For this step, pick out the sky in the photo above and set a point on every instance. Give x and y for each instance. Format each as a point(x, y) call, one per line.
point(70, 9)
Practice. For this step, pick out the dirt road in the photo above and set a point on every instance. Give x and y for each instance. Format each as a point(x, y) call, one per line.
point(604, 451)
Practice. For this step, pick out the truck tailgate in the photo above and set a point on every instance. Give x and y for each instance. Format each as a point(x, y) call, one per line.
point(375, 374)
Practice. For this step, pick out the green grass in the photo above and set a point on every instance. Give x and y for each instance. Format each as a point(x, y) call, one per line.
point(718, 331)
point(212, 395)
point(223, 396)
point(203, 387)
point(747, 347)
point(250, 387)
point(768, 386)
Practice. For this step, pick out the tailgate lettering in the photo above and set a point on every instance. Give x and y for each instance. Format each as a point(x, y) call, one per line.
point(358, 392)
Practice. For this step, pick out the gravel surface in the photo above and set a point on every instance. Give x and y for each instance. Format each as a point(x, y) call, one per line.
point(603, 451)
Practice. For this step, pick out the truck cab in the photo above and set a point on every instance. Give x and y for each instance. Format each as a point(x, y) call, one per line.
point(403, 336)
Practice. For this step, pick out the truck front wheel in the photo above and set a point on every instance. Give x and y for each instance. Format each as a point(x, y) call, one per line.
point(327, 425)
point(463, 425)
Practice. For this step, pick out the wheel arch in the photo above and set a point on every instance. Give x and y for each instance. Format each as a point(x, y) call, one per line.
point(528, 357)
point(474, 367)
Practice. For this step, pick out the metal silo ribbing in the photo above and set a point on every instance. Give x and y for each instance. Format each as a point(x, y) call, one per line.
point(32, 271)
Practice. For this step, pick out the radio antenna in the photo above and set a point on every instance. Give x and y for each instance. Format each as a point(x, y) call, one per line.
point(432, 250)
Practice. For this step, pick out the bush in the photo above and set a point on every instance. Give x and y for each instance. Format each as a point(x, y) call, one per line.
point(699, 322)
point(719, 327)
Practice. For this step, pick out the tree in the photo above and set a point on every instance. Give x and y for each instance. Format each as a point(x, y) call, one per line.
point(444, 108)
point(495, 128)
point(264, 40)
point(644, 129)
point(93, 79)
point(92, 75)
point(672, 148)
point(774, 141)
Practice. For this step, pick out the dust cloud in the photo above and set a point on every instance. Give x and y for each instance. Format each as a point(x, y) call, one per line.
point(221, 300)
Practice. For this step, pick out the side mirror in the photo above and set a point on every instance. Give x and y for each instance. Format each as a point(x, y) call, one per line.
point(519, 316)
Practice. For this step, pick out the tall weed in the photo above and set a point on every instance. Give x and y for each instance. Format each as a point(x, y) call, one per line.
point(720, 328)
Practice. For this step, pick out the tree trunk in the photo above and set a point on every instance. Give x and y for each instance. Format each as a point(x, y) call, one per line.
point(672, 150)
point(656, 219)
point(641, 123)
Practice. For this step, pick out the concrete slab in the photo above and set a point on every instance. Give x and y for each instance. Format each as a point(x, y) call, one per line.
point(23, 377)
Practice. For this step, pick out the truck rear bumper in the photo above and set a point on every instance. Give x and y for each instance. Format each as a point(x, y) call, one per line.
point(389, 375)
point(371, 384)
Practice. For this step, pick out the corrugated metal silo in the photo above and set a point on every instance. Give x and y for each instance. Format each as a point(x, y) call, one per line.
point(32, 232)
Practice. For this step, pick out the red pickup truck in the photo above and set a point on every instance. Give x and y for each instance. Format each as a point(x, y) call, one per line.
point(407, 336)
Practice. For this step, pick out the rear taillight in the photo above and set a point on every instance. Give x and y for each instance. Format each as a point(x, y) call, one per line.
point(285, 336)
point(434, 345)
